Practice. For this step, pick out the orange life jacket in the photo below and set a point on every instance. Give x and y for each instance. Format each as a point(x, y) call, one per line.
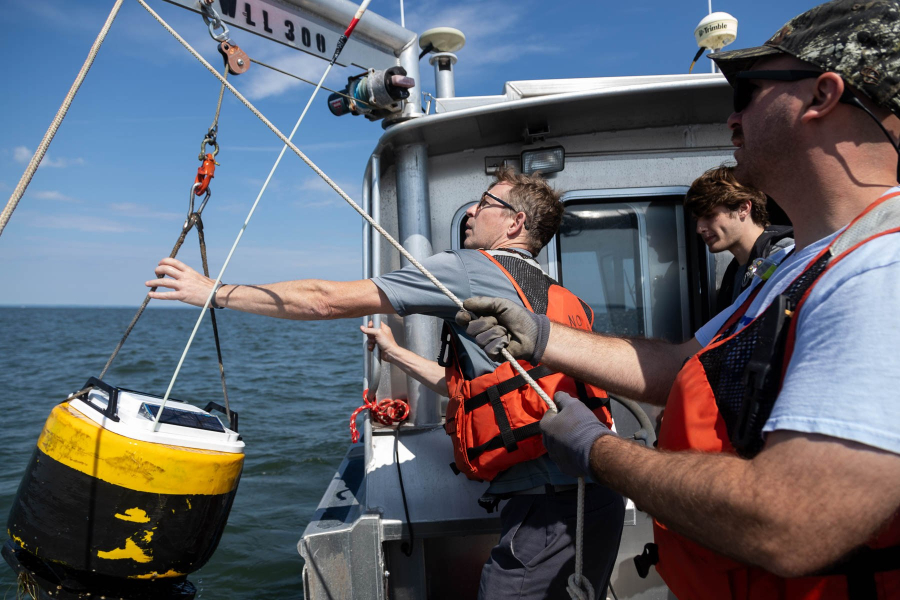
point(714, 408)
point(494, 419)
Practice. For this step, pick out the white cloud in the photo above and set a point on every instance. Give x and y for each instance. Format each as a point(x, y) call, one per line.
point(84, 224)
point(22, 155)
point(315, 193)
point(52, 195)
point(137, 211)
point(493, 30)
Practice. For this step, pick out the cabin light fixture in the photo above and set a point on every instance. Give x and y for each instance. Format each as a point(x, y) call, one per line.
point(545, 160)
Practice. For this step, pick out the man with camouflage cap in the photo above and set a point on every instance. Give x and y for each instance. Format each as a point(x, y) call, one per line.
point(780, 470)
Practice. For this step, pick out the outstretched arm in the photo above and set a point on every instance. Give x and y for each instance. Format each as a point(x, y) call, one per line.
point(428, 372)
point(306, 299)
point(640, 369)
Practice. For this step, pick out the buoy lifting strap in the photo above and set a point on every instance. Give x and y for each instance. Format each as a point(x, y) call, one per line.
point(193, 220)
point(57, 120)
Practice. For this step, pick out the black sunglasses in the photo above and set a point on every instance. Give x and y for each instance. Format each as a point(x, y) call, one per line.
point(743, 88)
point(743, 94)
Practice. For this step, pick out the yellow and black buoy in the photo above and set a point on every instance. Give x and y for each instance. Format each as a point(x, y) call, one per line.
point(114, 504)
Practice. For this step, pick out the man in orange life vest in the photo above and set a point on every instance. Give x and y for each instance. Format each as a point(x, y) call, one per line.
point(505, 231)
point(778, 475)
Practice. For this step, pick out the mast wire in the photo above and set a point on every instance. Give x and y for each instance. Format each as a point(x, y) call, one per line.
point(327, 89)
point(57, 120)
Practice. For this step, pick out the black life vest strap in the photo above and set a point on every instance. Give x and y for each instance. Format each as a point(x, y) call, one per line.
point(860, 570)
point(506, 432)
point(519, 434)
point(591, 402)
point(504, 387)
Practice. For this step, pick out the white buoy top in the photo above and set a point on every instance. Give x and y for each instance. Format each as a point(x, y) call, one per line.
point(716, 31)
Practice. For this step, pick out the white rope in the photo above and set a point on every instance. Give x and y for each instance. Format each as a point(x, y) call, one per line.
point(550, 404)
point(579, 587)
point(241, 232)
point(57, 121)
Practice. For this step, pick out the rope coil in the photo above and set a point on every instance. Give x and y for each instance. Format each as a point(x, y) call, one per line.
point(387, 412)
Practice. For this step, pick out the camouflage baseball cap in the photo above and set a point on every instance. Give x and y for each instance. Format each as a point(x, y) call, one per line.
point(857, 39)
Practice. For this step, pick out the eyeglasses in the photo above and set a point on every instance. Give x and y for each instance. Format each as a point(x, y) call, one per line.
point(486, 204)
point(743, 88)
point(503, 204)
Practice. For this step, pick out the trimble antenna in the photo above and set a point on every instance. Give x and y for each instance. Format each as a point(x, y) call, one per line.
point(714, 32)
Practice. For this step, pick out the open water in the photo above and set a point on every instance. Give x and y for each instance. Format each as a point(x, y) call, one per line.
point(294, 385)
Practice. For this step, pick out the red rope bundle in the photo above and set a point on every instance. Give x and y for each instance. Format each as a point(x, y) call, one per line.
point(386, 412)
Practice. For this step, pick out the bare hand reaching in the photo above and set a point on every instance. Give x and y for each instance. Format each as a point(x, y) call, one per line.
point(383, 338)
point(186, 284)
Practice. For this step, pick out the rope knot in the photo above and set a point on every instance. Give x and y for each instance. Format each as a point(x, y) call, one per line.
point(387, 412)
point(580, 590)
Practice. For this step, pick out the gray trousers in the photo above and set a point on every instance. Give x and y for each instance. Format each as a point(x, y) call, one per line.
point(536, 553)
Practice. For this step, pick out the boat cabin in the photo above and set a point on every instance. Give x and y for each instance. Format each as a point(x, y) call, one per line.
point(624, 150)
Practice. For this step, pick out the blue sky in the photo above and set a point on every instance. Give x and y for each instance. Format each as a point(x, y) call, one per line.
point(110, 197)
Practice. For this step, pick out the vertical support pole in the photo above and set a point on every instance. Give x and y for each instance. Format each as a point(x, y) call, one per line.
point(366, 259)
point(444, 84)
point(409, 60)
point(414, 219)
point(374, 258)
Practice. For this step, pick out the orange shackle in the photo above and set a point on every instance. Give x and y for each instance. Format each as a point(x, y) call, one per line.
point(205, 173)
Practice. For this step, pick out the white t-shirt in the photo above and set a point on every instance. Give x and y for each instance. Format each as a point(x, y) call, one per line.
point(843, 379)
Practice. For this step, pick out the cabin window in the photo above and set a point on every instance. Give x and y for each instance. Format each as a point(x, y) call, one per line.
point(625, 255)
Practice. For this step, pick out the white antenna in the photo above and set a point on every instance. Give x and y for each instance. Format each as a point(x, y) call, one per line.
point(715, 31)
point(403, 17)
point(712, 65)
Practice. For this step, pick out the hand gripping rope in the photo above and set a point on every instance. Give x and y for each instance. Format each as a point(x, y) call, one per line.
point(579, 587)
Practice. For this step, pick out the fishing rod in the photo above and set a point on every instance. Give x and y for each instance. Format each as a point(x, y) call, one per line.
point(337, 52)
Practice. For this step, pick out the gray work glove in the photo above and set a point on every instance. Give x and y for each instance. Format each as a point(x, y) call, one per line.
point(570, 434)
point(499, 323)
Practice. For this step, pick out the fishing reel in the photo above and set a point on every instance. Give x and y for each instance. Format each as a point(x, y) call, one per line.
point(375, 94)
